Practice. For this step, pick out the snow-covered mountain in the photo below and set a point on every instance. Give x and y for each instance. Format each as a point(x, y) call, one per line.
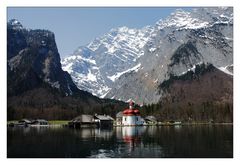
point(98, 65)
point(132, 63)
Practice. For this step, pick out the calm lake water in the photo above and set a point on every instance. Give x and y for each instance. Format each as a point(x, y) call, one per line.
point(122, 142)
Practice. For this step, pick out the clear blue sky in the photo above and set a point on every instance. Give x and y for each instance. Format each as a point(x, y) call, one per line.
point(75, 27)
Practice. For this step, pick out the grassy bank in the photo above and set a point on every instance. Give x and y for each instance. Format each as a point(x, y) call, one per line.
point(58, 122)
point(51, 122)
point(12, 121)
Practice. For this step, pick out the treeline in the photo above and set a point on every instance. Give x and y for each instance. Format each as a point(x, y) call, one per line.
point(40, 103)
point(200, 70)
point(62, 112)
point(58, 112)
point(191, 112)
point(205, 95)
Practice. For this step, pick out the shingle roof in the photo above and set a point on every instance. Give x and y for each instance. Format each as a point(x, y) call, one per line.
point(103, 117)
point(151, 118)
point(119, 114)
point(84, 118)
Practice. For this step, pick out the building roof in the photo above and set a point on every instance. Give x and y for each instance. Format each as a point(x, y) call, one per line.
point(84, 118)
point(104, 117)
point(41, 120)
point(24, 120)
point(151, 118)
point(131, 112)
point(119, 114)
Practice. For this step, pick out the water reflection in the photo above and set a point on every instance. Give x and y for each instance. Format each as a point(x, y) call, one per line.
point(104, 133)
point(148, 142)
point(130, 135)
point(30, 130)
point(87, 133)
point(129, 132)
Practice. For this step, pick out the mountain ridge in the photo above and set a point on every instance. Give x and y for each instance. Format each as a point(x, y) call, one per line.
point(108, 74)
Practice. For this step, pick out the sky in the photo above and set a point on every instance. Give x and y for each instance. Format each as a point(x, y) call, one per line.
point(77, 26)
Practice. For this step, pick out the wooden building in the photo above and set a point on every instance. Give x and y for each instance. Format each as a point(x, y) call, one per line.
point(103, 120)
point(82, 120)
point(119, 116)
point(151, 120)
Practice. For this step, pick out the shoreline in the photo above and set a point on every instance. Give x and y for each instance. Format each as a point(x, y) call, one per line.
point(64, 123)
point(182, 124)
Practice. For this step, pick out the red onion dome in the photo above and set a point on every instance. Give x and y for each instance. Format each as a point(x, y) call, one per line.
point(130, 111)
point(125, 111)
point(136, 111)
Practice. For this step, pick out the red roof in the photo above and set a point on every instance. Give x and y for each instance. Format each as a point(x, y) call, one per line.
point(136, 111)
point(131, 112)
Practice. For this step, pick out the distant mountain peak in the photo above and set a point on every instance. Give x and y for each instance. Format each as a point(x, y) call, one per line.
point(15, 24)
point(122, 29)
point(179, 13)
point(197, 18)
point(113, 54)
point(181, 19)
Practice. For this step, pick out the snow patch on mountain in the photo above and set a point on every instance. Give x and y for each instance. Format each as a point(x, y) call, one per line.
point(182, 20)
point(76, 57)
point(198, 18)
point(226, 70)
point(90, 76)
point(117, 75)
point(191, 69)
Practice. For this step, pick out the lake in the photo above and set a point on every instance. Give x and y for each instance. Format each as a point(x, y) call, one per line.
point(186, 141)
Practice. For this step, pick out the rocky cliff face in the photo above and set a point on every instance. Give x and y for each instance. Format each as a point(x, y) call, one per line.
point(37, 87)
point(33, 60)
point(131, 63)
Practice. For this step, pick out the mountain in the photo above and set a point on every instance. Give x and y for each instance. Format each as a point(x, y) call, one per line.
point(131, 63)
point(95, 67)
point(203, 94)
point(33, 59)
point(36, 84)
point(215, 85)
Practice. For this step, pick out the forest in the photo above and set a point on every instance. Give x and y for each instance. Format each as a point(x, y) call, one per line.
point(188, 113)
